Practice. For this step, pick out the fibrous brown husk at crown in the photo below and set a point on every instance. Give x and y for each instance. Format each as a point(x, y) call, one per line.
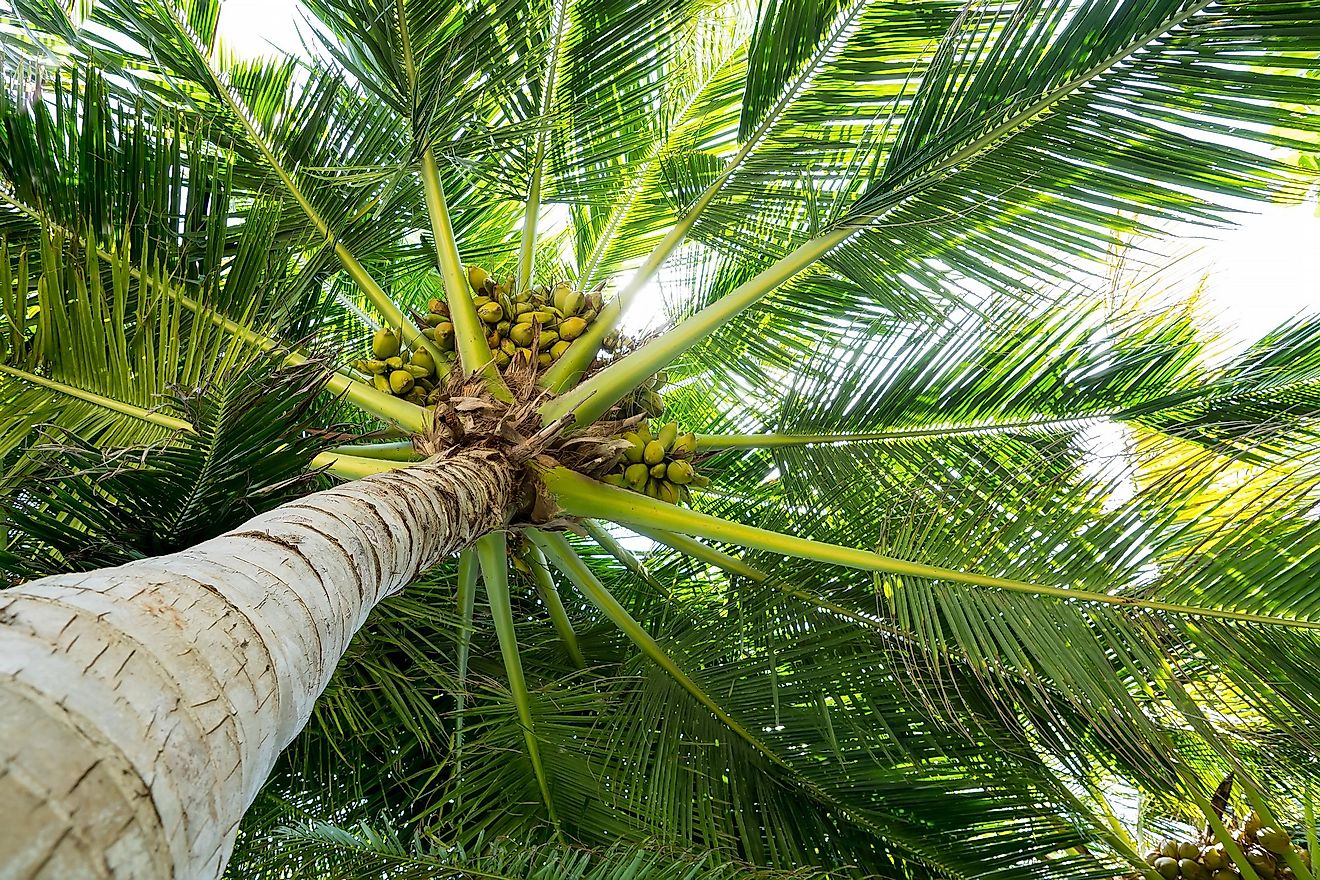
point(468, 415)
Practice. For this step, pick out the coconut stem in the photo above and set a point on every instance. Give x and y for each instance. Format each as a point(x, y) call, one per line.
point(554, 604)
point(127, 409)
point(474, 354)
point(492, 552)
point(568, 368)
point(594, 397)
point(561, 554)
point(582, 496)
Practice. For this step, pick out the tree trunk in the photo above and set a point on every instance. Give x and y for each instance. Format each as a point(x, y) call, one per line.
point(143, 706)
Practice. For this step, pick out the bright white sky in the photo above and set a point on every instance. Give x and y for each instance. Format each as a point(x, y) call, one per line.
point(252, 27)
point(1266, 270)
point(1260, 274)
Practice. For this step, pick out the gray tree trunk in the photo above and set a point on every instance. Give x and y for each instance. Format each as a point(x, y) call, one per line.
point(143, 706)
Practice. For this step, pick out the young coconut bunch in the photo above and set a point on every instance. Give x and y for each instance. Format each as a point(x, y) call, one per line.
point(1250, 846)
point(660, 466)
point(913, 628)
point(526, 328)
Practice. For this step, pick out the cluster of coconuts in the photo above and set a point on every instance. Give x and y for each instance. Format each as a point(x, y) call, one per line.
point(1264, 848)
point(646, 397)
point(659, 466)
point(538, 323)
point(395, 370)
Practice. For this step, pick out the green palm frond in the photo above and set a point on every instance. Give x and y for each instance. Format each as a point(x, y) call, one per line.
point(604, 735)
point(1103, 101)
point(1261, 406)
point(613, 233)
point(364, 851)
point(994, 502)
point(1027, 369)
point(1001, 196)
point(90, 352)
point(1081, 543)
point(89, 160)
point(82, 507)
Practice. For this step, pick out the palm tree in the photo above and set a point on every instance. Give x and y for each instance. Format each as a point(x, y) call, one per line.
point(904, 621)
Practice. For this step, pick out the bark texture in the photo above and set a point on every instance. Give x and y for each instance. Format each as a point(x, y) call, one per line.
point(142, 707)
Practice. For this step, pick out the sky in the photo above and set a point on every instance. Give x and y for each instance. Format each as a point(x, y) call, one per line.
point(1258, 274)
point(252, 27)
point(1265, 271)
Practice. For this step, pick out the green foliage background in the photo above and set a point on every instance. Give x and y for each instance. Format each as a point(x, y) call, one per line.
point(992, 158)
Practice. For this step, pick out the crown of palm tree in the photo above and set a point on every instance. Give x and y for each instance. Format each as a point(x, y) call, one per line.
point(915, 626)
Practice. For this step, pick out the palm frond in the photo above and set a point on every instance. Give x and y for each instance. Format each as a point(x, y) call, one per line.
point(364, 851)
point(1076, 533)
point(91, 351)
point(85, 506)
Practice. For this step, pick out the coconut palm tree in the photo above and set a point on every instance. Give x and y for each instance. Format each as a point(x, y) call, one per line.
point(828, 575)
